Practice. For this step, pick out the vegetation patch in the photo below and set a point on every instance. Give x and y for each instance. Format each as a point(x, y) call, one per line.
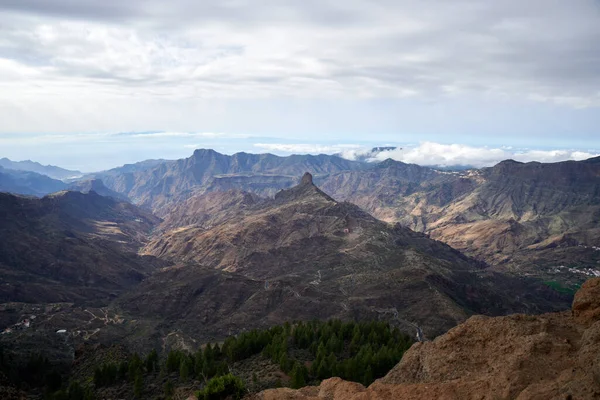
point(562, 289)
point(295, 355)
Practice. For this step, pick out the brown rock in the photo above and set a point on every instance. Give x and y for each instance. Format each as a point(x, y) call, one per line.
point(586, 305)
point(551, 356)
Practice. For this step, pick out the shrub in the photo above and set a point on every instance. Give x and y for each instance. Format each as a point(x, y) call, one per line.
point(223, 387)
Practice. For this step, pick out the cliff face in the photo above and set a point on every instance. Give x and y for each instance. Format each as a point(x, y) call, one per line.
point(550, 356)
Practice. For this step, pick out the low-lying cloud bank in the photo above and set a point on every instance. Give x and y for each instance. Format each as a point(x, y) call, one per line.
point(446, 155)
point(437, 154)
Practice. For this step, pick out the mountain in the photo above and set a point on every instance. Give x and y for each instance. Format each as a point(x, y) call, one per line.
point(48, 170)
point(302, 255)
point(111, 174)
point(28, 183)
point(531, 218)
point(550, 356)
point(96, 185)
point(207, 210)
point(207, 170)
point(71, 246)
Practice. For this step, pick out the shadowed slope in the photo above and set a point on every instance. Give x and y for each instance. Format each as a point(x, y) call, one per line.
point(302, 255)
point(70, 246)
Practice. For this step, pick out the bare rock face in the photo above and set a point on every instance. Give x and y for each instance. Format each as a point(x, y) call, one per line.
point(586, 305)
point(307, 179)
point(550, 356)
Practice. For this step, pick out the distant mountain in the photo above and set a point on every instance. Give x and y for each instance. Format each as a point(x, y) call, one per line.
point(28, 183)
point(207, 170)
point(70, 246)
point(244, 262)
point(128, 168)
point(530, 218)
point(48, 170)
point(96, 185)
point(533, 218)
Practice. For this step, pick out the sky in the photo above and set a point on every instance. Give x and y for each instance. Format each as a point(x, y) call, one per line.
point(90, 85)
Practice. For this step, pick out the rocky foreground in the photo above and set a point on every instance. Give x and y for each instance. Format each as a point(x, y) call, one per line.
point(549, 356)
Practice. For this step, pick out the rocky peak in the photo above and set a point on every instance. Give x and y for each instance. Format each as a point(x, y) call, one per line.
point(204, 153)
point(304, 190)
point(307, 179)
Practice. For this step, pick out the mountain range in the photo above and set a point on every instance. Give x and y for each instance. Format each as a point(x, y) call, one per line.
point(175, 254)
point(521, 218)
point(32, 166)
point(528, 218)
point(303, 254)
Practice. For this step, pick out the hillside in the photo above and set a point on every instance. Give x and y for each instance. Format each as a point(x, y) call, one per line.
point(303, 255)
point(70, 246)
point(533, 218)
point(96, 185)
point(550, 356)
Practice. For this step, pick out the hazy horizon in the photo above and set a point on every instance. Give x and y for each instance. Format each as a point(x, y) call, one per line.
point(425, 153)
point(481, 80)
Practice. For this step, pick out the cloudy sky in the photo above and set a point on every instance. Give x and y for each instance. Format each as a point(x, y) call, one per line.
point(92, 84)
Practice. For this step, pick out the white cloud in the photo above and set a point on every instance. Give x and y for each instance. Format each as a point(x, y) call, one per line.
point(445, 155)
point(432, 154)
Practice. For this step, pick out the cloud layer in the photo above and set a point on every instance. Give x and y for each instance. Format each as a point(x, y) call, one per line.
point(126, 57)
point(446, 155)
point(437, 154)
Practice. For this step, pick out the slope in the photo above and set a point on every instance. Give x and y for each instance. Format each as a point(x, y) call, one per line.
point(70, 246)
point(302, 255)
point(532, 218)
point(551, 356)
point(96, 185)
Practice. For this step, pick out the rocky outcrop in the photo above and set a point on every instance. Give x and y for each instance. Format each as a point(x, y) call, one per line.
point(586, 306)
point(550, 356)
